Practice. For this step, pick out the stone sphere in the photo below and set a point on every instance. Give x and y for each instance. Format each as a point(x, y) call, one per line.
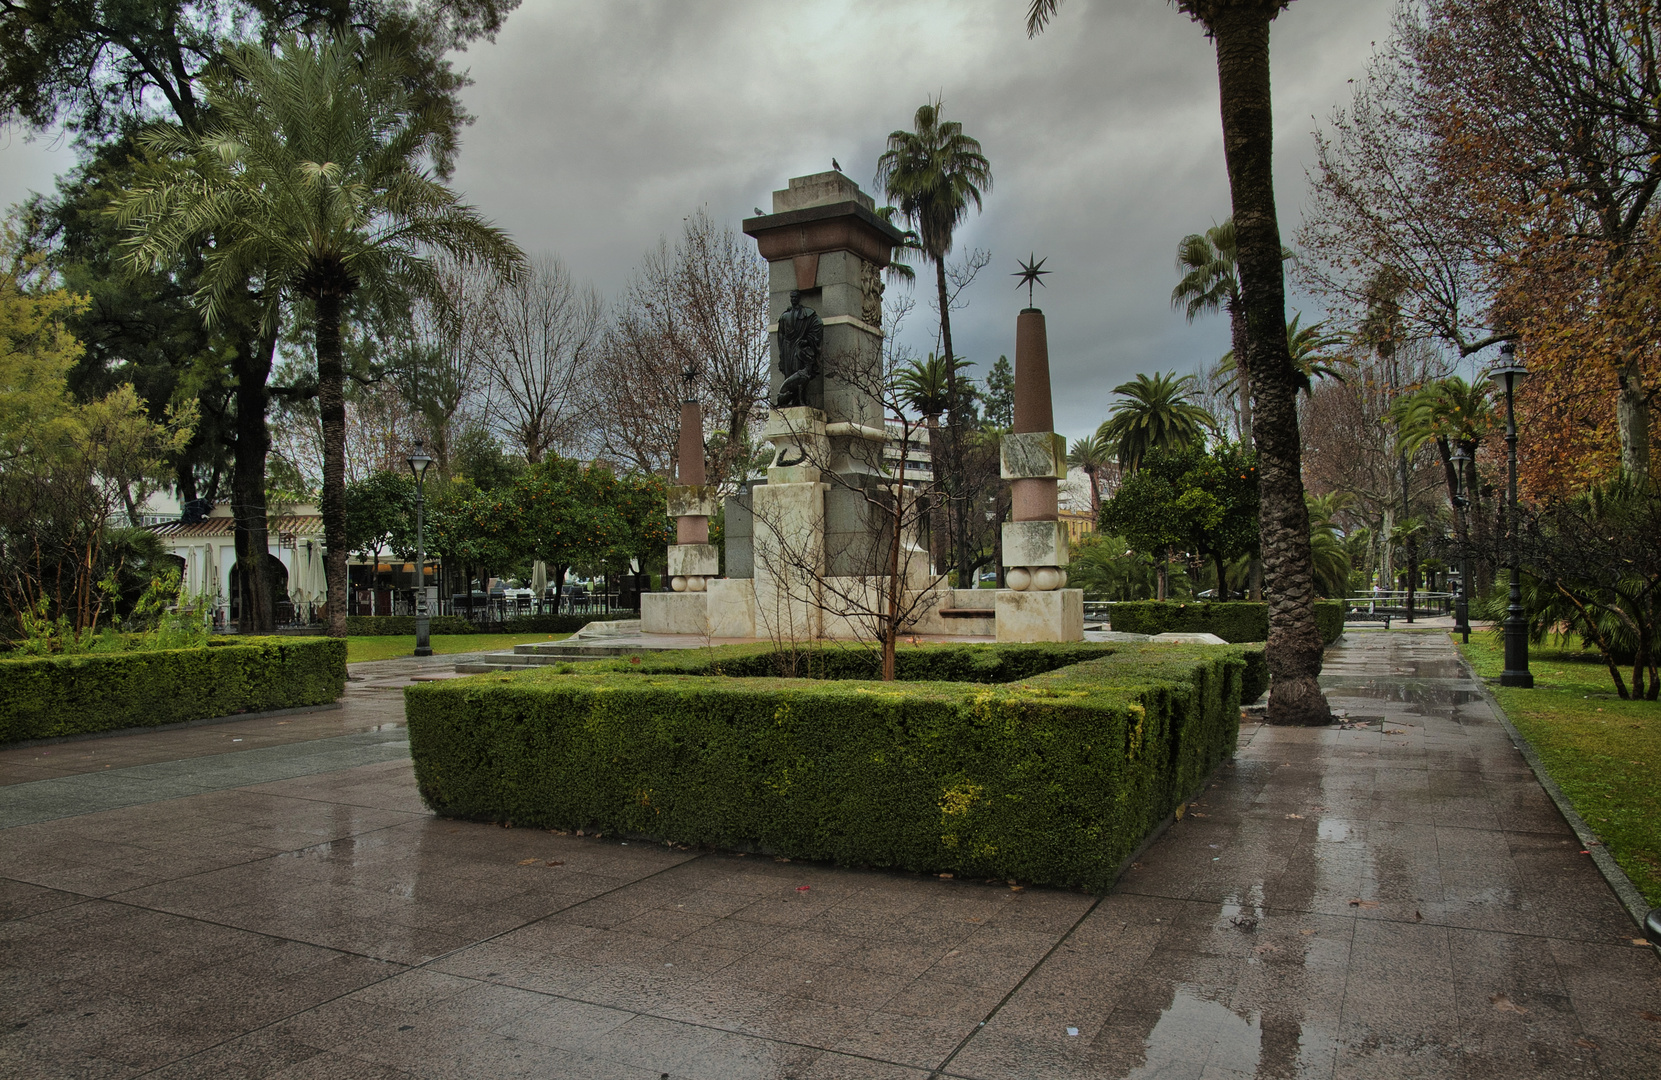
point(678, 584)
point(695, 583)
point(1046, 579)
point(1017, 578)
point(1063, 584)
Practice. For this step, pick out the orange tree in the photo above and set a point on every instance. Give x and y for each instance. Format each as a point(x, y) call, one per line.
point(559, 511)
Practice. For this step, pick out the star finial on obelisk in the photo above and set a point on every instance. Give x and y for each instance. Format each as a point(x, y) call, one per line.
point(1031, 273)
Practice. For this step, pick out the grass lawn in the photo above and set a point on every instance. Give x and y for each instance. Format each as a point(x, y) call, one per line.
point(1603, 752)
point(385, 647)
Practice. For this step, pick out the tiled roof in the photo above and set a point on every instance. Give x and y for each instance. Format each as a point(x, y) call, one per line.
point(309, 525)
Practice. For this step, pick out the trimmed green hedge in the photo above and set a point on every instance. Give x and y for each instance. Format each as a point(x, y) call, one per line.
point(1054, 776)
point(545, 624)
point(1235, 621)
point(404, 625)
point(912, 663)
point(47, 696)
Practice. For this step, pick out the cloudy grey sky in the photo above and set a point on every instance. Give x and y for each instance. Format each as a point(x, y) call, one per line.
point(601, 124)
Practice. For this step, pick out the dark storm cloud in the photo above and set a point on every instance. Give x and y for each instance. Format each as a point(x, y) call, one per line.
point(601, 123)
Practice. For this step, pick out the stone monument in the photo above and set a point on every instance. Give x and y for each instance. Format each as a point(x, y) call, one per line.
point(1036, 606)
point(816, 531)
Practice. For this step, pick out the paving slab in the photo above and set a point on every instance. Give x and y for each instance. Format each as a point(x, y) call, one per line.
point(1391, 896)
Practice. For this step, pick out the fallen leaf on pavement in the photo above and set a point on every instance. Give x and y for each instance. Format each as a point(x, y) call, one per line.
point(557, 862)
point(1654, 1018)
point(1586, 1044)
point(529, 862)
point(1297, 816)
point(1505, 1004)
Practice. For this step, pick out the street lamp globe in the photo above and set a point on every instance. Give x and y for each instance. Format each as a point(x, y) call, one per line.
point(1507, 373)
point(419, 463)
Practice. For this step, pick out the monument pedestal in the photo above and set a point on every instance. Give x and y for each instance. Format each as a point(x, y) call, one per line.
point(1056, 615)
point(674, 613)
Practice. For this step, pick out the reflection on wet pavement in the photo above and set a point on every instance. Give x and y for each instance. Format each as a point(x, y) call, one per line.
point(1392, 896)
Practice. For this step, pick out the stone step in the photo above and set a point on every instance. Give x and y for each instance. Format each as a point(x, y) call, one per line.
point(566, 651)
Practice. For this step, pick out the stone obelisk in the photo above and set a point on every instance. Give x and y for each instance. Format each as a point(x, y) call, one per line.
point(693, 560)
point(1036, 606)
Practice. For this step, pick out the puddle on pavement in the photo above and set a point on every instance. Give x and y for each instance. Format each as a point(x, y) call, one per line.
point(1196, 1034)
point(1408, 691)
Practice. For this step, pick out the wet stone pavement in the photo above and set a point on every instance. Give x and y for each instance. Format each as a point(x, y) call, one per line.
point(1395, 896)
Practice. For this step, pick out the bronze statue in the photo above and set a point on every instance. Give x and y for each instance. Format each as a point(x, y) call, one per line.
point(801, 338)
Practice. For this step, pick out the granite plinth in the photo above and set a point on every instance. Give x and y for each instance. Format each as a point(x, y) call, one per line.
point(1057, 615)
point(675, 613)
point(1035, 543)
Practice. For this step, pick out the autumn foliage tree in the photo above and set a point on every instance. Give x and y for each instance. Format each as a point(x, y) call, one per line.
point(1501, 162)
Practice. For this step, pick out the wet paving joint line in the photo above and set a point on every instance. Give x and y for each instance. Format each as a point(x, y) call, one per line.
point(940, 1069)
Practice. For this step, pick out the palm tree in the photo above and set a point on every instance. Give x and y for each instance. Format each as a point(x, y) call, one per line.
point(1209, 285)
point(1092, 454)
point(1240, 30)
point(1307, 345)
point(901, 272)
point(1154, 412)
point(932, 174)
point(309, 178)
point(1451, 413)
point(921, 386)
point(1327, 544)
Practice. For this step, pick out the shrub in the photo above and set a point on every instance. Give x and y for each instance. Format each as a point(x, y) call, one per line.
point(912, 663)
point(545, 624)
point(1054, 776)
point(1235, 621)
point(43, 697)
point(404, 625)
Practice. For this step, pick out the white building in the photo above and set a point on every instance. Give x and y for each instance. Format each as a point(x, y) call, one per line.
point(206, 551)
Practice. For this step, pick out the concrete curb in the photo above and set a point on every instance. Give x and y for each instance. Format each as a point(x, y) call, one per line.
point(1628, 894)
point(171, 727)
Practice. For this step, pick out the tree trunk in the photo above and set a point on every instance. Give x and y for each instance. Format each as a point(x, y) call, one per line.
point(1295, 646)
point(952, 475)
point(1632, 422)
point(896, 581)
point(331, 406)
point(252, 572)
point(1412, 574)
point(1242, 377)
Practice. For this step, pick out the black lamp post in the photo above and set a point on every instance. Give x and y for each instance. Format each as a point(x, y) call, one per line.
point(1507, 374)
point(418, 464)
point(1462, 603)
